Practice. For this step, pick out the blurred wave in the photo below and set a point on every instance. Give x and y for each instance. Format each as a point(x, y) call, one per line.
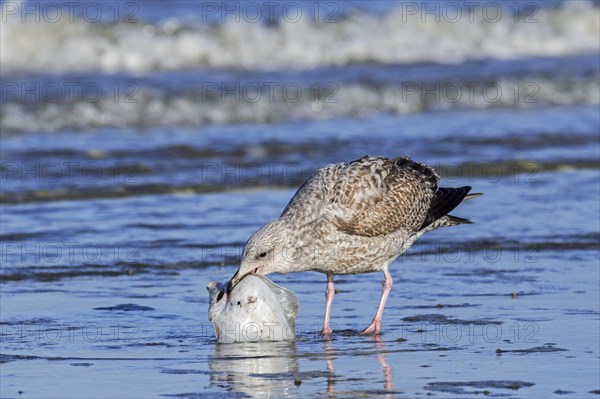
point(176, 43)
point(255, 103)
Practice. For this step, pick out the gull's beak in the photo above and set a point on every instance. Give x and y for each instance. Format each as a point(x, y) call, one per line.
point(233, 282)
point(237, 277)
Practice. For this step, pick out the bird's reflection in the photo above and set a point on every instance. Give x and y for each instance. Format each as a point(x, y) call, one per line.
point(329, 355)
point(261, 369)
point(380, 348)
point(388, 372)
point(271, 369)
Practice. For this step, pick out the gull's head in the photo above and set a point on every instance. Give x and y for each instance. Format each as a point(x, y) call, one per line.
point(264, 253)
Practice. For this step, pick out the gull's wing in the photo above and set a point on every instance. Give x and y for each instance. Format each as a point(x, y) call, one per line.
point(375, 196)
point(309, 202)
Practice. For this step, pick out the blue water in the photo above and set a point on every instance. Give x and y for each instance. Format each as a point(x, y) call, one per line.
point(142, 181)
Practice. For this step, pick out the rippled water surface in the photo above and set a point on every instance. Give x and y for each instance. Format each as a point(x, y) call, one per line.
point(116, 217)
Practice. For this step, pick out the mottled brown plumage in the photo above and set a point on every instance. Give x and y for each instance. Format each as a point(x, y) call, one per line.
point(354, 217)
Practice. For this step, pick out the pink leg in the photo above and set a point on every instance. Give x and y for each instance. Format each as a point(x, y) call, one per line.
point(375, 326)
point(329, 293)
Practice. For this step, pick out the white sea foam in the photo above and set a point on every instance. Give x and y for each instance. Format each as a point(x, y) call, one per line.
point(193, 108)
point(394, 37)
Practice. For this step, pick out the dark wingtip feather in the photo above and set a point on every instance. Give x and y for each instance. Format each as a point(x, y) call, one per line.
point(472, 195)
point(444, 201)
point(457, 220)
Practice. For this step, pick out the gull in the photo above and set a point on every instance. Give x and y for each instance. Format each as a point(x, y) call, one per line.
point(351, 218)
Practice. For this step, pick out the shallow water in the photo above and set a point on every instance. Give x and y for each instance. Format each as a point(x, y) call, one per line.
point(114, 220)
point(497, 306)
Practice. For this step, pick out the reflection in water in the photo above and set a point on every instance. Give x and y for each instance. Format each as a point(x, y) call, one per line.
point(270, 369)
point(330, 368)
point(381, 349)
point(261, 369)
point(388, 372)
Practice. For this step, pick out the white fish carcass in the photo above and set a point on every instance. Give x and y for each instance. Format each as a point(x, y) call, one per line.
point(256, 310)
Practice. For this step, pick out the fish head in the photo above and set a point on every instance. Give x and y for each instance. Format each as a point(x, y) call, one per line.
point(256, 309)
point(217, 294)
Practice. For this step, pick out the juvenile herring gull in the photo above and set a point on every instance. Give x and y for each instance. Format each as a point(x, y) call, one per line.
point(353, 217)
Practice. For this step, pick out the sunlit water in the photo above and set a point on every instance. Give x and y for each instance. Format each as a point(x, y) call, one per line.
point(114, 222)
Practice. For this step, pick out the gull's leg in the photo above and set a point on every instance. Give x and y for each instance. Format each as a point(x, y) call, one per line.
point(329, 293)
point(375, 326)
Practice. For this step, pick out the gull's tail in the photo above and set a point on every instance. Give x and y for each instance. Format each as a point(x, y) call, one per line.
point(444, 201)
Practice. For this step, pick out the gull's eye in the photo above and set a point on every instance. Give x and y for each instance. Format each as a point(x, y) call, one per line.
point(262, 255)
